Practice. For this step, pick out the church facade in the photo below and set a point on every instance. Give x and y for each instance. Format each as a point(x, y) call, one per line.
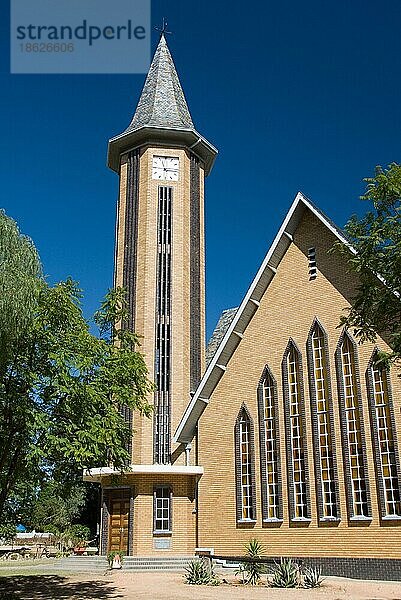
point(289, 432)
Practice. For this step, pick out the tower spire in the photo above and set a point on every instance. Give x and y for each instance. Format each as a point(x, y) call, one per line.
point(162, 102)
point(162, 114)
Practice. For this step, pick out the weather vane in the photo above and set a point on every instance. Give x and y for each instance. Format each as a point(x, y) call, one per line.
point(163, 28)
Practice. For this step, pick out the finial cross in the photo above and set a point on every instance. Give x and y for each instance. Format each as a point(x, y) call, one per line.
point(163, 28)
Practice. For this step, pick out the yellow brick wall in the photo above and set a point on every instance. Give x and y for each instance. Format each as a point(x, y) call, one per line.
point(183, 540)
point(287, 310)
point(183, 519)
point(146, 285)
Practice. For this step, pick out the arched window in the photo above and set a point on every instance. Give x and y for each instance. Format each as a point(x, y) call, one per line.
point(323, 426)
point(356, 472)
point(384, 439)
point(297, 461)
point(269, 447)
point(245, 467)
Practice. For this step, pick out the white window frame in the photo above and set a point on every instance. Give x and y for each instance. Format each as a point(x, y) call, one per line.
point(321, 407)
point(385, 446)
point(352, 418)
point(272, 499)
point(297, 437)
point(162, 509)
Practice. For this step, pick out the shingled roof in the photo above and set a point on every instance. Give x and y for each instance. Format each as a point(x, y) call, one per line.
point(223, 324)
point(162, 102)
point(162, 116)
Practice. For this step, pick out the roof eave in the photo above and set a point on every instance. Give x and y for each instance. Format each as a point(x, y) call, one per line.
point(97, 475)
point(161, 136)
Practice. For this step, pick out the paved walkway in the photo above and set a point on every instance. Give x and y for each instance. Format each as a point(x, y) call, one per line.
point(171, 586)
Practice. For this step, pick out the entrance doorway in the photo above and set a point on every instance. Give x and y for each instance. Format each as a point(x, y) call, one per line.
point(119, 522)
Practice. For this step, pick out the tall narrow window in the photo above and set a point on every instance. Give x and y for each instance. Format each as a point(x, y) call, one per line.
point(128, 226)
point(323, 427)
point(245, 467)
point(295, 434)
point(358, 497)
point(162, 521)
point(269, 447)
point(162, 418)
point(384, 439)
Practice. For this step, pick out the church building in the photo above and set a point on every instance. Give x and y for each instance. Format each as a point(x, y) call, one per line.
point(288, 432)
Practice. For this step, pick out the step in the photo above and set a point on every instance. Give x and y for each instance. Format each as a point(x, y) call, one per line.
point(130, 563)
point(158, 558)
point(156, 563)
point(84, 557)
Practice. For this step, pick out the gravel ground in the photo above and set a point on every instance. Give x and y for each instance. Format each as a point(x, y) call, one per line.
point(171, 586)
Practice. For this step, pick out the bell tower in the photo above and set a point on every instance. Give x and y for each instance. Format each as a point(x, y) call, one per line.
point(162, 162)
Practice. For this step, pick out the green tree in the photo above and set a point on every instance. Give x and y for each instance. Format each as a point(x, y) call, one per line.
point(20, 283)
point(61, 387)
point(376, 259)
point(56, 508)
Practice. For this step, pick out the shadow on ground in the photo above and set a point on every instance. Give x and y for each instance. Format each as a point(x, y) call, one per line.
point(54, 587)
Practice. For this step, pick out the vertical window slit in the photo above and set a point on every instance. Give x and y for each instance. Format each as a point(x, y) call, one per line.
point(384, 439)
point(245, 468)
point(353, 432)
point(312, 263)
point(163, 328)
point(295, 434)
point(326, 472)
point(269, 439)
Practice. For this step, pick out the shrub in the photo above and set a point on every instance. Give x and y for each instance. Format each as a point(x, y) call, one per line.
point(312, 577)
point(285, 574)
point(7, 532)
point(199, 573)
point(252, 570)
point(77, 534)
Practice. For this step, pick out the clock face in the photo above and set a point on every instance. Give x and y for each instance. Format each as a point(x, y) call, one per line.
point(165, 168)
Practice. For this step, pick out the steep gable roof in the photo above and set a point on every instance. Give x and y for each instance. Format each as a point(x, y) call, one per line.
point(247, 309)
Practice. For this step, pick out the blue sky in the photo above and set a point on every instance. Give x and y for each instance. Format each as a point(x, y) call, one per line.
point(296, 96)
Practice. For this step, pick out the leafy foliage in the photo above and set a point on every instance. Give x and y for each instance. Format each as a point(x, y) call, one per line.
point(285, 574)
point(77, 534)
point(199, 573)
point(56, 507)
point(20, 283)
point(376, 239)
point(312, 577)
point(61, 387)
point(7, 532)
point(252, 569)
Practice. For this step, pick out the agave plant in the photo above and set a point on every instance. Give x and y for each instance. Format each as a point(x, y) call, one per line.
point(285, 574)
point(251, 570)
point(312, 577)
point(198, 573)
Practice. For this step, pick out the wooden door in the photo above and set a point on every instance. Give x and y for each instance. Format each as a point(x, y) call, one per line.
point(119, 518)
